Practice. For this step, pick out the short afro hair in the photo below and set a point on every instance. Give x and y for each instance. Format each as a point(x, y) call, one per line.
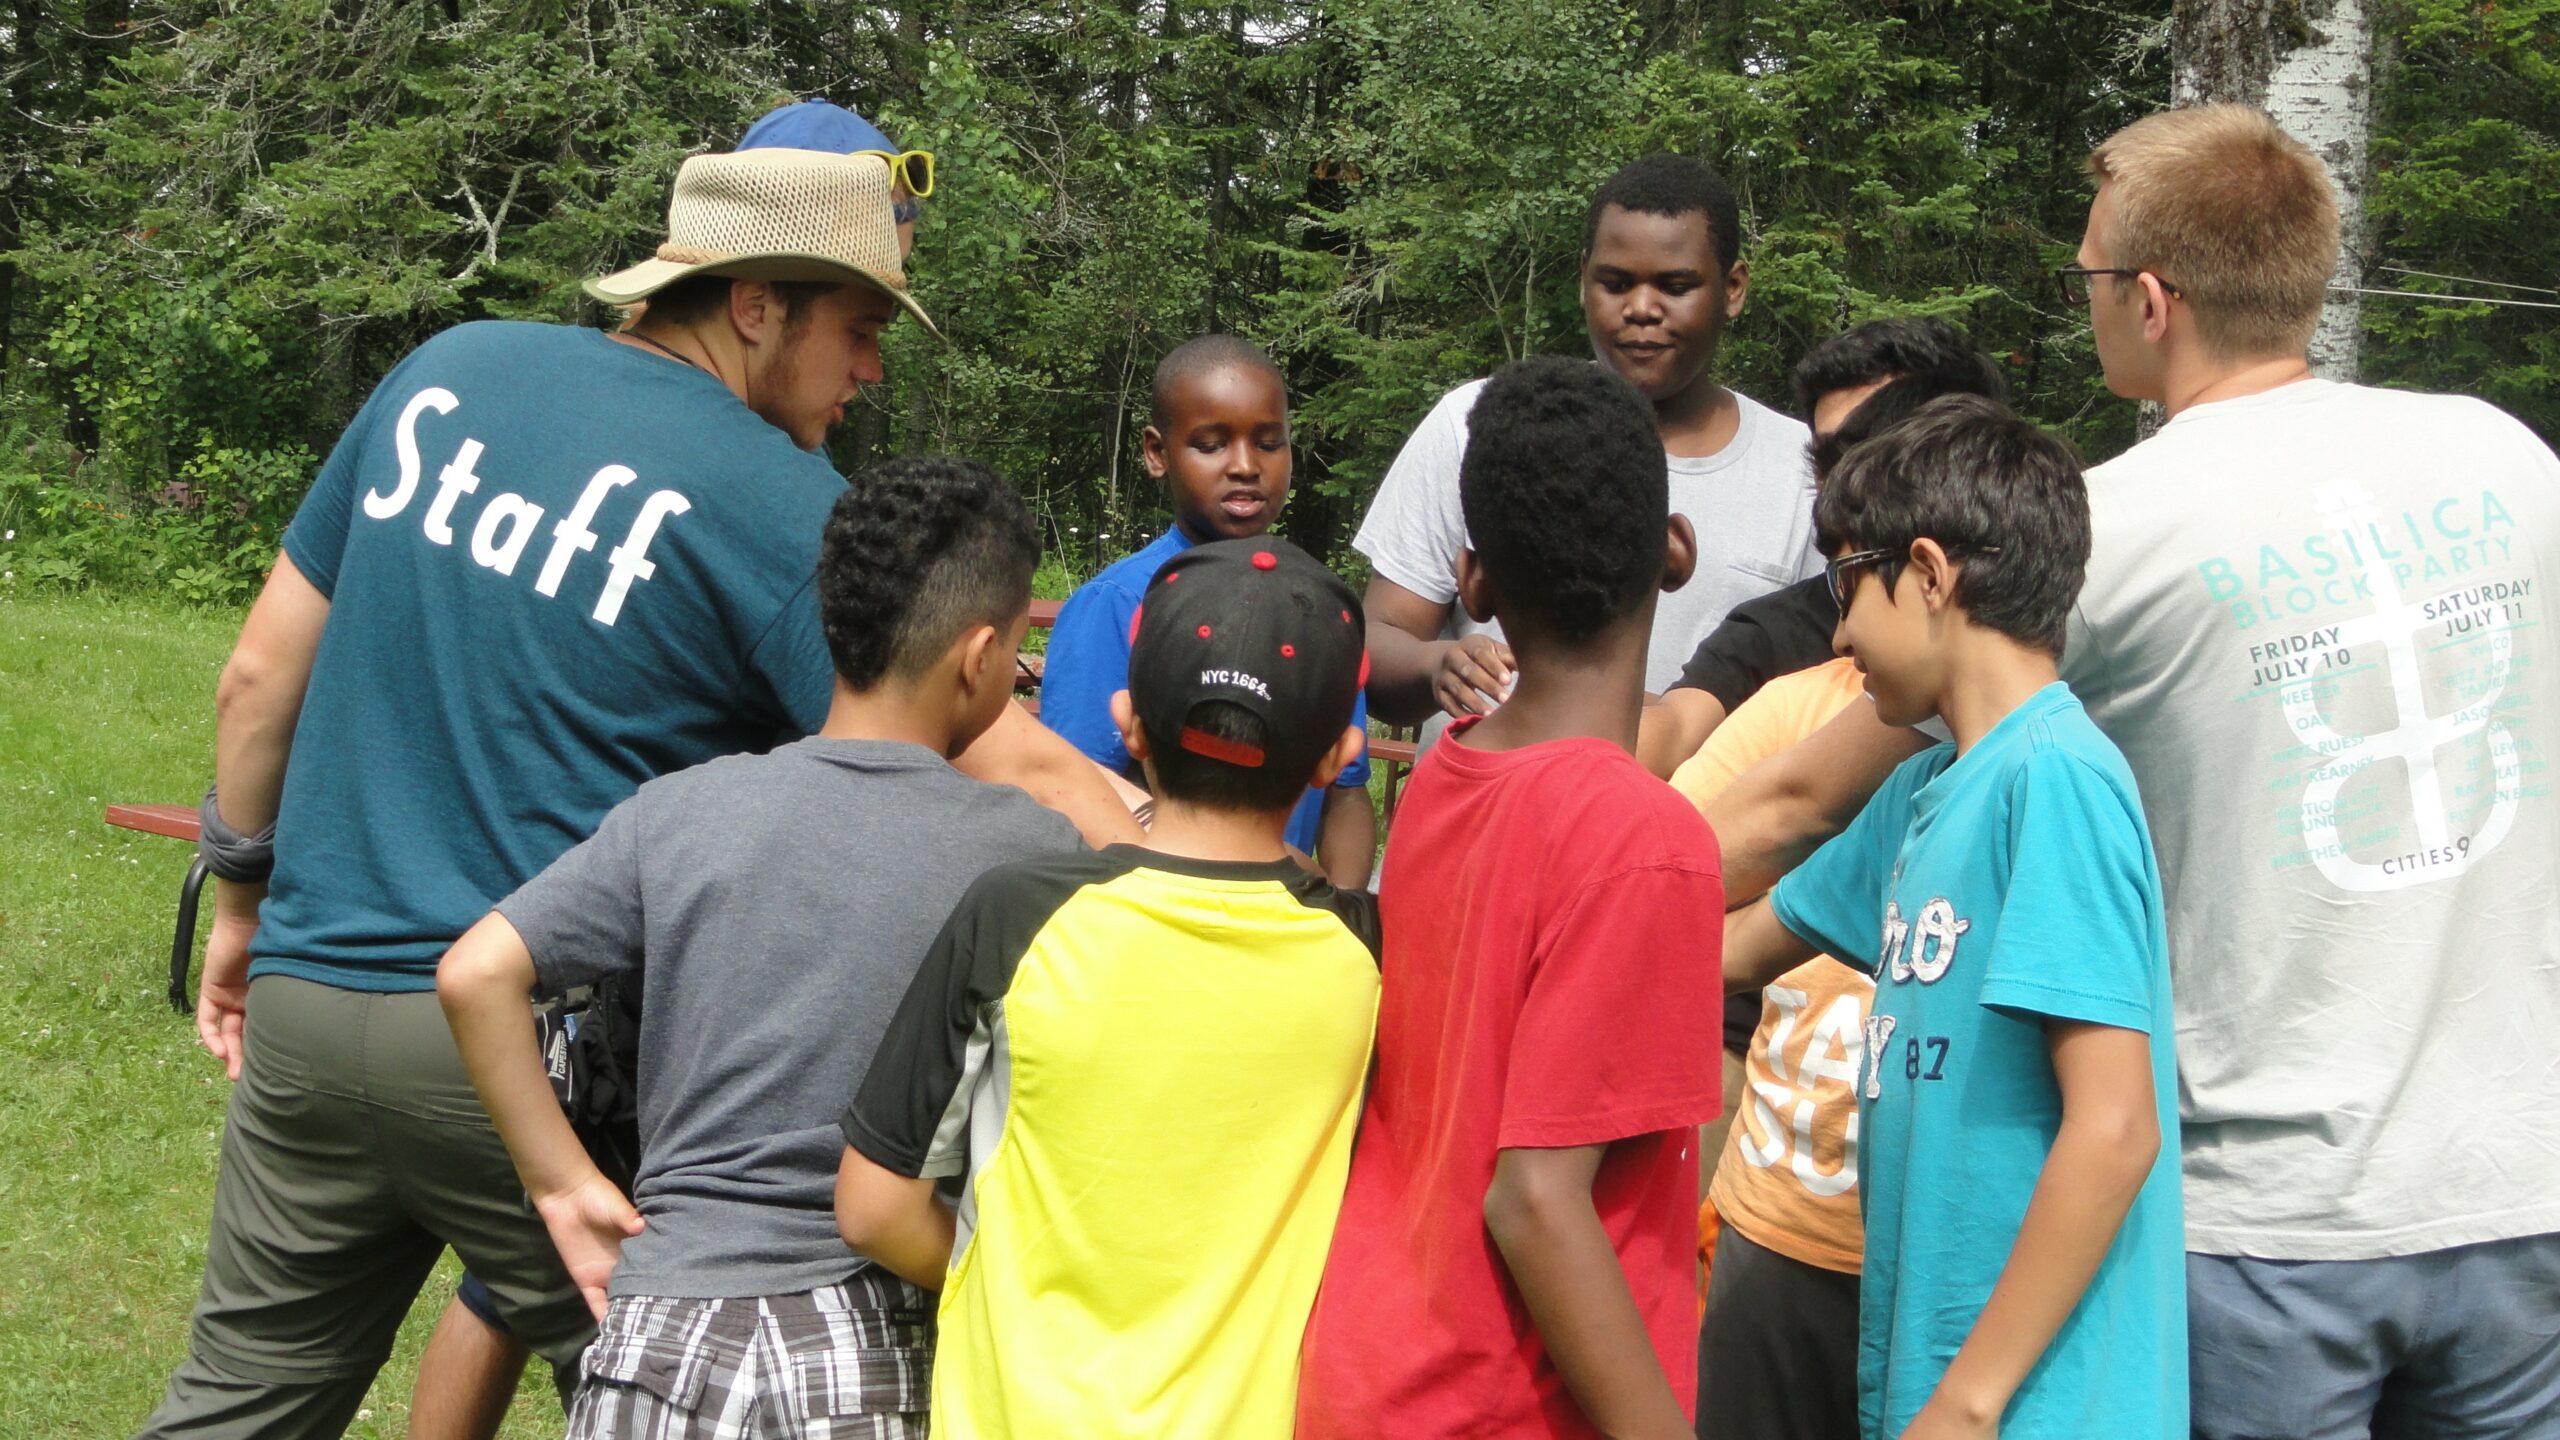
point(1995, 491)
point(1565, 492)
point(1886, 349)
point(1203, 355)
point(1666, 184)
point(917, 551)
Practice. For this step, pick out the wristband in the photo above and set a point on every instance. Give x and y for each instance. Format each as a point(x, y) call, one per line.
point(230, 855)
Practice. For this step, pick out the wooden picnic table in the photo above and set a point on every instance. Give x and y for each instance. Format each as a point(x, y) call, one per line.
point(180, 822)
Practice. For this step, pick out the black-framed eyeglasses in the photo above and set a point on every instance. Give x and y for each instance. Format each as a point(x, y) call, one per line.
point(1836, 574)
point(2073, 280)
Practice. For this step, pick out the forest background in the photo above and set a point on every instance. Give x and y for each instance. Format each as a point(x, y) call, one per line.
point(222, 222)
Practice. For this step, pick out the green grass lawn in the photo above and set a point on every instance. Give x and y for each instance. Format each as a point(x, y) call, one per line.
point(109, 1113)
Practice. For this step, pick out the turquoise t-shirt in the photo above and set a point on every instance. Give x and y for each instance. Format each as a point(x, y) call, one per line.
point(557, 567)
point(1996, 891)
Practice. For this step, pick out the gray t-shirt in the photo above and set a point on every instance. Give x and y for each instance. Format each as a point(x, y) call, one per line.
point(1751, 504)
point(775, 907)
point(2315, 623)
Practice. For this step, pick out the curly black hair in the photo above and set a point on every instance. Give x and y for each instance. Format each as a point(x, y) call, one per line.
point(1565, 491)
point(1201, 355)
point(1904, 346)
point(917, 551)
point(1666, 184)
point(1995, 491)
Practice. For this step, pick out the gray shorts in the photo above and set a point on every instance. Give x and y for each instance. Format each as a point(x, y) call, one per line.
point(354, 1152)
point(850, 1361)
point(2460, 1344)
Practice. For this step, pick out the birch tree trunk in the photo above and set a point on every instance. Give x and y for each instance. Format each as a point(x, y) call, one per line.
point(2308, 63)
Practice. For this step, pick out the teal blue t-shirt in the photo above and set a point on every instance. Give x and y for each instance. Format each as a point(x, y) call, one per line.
point(557, 567)
point(1995, 892)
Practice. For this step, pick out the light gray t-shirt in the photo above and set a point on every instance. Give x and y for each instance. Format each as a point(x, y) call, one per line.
point(2318, 624)
point(775, 907)
point(1751, 504)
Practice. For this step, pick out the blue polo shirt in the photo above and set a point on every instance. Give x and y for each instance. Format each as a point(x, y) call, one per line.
point(557, 567)
point(1089, 661)
point(1995, 892)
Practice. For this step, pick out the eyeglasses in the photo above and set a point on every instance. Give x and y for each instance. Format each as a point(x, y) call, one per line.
point(1836, 574)
point(911, 168)
point(2073, 280)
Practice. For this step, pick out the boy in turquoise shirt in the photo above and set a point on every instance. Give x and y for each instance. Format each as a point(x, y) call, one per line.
point(2025, 1266)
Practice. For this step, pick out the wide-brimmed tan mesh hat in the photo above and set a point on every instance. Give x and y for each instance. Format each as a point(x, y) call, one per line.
point(775, 214)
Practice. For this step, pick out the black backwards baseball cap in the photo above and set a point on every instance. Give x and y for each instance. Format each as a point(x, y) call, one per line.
point(1256, 623)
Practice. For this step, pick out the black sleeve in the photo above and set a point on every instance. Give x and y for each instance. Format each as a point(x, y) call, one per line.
point(911, 1116)
point(1779, 633)
point(1356, 909)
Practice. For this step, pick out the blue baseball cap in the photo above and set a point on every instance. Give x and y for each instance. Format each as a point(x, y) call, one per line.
point(815, 125)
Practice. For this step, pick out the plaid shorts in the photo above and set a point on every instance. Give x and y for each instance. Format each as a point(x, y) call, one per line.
point(848, 1360)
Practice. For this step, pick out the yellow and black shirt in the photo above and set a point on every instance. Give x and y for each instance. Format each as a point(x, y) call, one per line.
point(1148, 1069)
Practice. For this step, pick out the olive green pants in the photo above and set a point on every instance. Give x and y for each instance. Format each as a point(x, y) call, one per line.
point(355, 1152)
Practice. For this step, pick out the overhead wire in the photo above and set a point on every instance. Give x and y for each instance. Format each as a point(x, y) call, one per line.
point(2446, 299)
point(2469, 280)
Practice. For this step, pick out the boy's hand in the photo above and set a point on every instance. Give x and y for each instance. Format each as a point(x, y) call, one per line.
point(1942, 1419)
point(1471, 675)
point(222, 991)
point(588, 1224)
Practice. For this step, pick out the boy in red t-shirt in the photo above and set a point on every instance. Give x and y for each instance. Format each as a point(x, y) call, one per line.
point(1515, 1252)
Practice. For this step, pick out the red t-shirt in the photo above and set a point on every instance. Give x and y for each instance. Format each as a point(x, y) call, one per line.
point(1554, 921)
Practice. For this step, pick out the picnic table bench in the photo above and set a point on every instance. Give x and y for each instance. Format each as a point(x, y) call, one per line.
point(180, 822)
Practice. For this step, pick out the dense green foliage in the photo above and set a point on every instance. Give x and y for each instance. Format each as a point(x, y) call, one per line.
point(224, 220)
point(2466, 169)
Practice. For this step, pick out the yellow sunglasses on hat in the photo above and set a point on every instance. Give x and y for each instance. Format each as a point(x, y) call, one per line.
point(913, 169)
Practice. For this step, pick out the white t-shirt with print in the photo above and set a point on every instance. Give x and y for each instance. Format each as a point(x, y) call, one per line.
point(1751, 504)
point(2319, 624)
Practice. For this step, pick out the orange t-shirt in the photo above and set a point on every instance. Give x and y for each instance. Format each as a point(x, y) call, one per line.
point(1789, 1175)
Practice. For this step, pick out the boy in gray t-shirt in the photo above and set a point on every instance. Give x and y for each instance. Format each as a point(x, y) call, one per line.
point(772, 910)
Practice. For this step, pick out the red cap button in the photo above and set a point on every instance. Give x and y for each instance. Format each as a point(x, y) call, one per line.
point(1265, 560)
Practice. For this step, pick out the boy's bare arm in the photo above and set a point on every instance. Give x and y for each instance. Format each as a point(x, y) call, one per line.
point(1757, 949)
point(1539, 1210)
point(1019, 750)
point(2109, 1137)
point(1413, 672)
point(1347, 836)
point(1672, 728)
point(1781, 810)
point(898, 1221)
point(483, 984)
